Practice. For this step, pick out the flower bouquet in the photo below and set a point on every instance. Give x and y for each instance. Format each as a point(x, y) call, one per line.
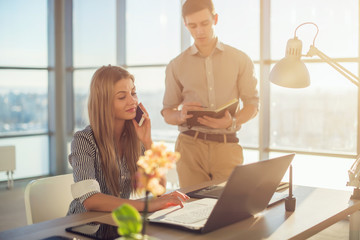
point(152, 169)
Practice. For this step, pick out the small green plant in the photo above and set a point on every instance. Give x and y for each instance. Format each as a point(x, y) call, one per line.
point(128, 220)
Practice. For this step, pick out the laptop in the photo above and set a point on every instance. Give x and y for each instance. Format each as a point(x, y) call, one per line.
point(247, 192)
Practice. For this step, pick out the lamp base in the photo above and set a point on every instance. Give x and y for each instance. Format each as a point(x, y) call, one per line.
point(290, 203)
point(356, 194)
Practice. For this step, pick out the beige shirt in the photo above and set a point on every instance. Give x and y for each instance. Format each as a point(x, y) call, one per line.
point(213, 81)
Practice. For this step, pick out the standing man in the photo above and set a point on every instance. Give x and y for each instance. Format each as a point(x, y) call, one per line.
point(208, 74)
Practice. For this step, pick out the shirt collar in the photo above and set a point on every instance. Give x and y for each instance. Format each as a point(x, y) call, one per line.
point(194, 50)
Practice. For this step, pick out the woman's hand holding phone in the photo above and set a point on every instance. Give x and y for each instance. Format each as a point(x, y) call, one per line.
point(139, 118)
point(143, 126)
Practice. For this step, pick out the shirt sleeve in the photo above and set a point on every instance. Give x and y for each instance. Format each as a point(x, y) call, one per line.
point(84, 189)
point(173, 88)
point(247, 84)
point(82, 160)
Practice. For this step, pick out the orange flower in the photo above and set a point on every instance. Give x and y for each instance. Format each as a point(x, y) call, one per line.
point(152, 168)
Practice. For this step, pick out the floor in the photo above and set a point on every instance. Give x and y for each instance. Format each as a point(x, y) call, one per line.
point(12, 213)
point(12, 207)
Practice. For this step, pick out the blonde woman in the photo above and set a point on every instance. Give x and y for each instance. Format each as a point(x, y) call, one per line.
point(104, 154)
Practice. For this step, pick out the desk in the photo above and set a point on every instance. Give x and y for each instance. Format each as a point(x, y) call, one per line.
point(316, 209)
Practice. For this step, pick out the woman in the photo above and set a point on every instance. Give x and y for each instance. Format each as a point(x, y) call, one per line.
point(104, 154)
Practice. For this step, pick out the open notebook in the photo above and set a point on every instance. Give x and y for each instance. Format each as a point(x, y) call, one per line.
point(247, 192)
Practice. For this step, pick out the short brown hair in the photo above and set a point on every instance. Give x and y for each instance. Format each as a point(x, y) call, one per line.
point(192, 6)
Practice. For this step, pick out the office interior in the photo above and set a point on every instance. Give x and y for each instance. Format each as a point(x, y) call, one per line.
point(49, 50)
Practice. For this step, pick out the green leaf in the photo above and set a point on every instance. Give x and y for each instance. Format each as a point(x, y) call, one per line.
point(128, 220)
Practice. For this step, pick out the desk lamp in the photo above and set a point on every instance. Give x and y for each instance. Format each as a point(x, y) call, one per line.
point(291, 72)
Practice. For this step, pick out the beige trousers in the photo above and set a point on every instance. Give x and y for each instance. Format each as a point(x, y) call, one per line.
point(203, 160)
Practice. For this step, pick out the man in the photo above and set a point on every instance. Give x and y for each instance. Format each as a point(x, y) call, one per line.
point(208, 74)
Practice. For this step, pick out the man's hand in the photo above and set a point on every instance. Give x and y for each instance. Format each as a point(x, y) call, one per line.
point(178, 116)
point(224, 122)
point(188, 107)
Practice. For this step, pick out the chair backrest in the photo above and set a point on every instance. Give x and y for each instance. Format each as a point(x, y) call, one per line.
point(48, 198)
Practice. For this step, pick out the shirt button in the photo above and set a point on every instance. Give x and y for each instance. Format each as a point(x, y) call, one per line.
point(211, 88)
point(212, 105)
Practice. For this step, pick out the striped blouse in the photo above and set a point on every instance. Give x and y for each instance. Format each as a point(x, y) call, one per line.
point(88, 176)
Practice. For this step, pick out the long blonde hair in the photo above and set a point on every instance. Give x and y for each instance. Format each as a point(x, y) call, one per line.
point(102, 118)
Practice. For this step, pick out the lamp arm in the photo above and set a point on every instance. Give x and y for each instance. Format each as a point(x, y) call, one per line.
point(346, 73)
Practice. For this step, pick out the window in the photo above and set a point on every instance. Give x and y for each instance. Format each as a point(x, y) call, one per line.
point(150, 85)
point(238, 25)
point(338, 26)
point(152, 40)
point(23, 98)
point(94, 33)
point(152, 31)
point(82, 80)
point(94, 38)
point(23, 28)
point(322, 117)
point(24, 85)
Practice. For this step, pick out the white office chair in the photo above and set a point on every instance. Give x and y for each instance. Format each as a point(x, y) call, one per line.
point(48, 198)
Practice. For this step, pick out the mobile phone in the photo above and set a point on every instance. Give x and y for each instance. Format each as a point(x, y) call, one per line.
point(139, 118)
point(95, 230)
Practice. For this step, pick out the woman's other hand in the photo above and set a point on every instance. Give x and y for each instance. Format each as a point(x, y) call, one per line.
point(175, 198)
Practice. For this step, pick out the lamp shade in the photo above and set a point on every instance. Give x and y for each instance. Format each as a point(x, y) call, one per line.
point(290, 71)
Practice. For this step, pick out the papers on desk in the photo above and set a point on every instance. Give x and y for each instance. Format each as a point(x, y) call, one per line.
point(193, 215)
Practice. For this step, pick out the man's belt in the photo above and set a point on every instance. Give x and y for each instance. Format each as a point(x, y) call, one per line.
point(223, 138)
